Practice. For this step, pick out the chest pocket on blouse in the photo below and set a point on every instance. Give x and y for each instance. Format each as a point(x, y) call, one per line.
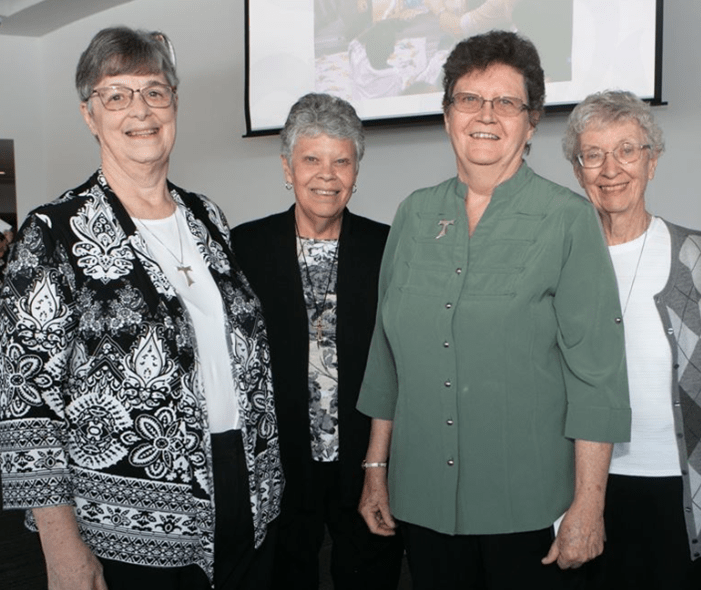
point(430, 267)
point(499, 274)
point(499, 257)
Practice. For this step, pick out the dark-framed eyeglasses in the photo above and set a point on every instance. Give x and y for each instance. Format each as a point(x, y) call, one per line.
point(117, 98)
point(506, 106)
point(625, 153)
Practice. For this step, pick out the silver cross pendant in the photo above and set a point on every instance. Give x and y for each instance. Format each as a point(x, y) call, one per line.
point(186, 270)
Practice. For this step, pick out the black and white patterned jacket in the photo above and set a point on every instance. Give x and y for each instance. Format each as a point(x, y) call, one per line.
point(99, 404)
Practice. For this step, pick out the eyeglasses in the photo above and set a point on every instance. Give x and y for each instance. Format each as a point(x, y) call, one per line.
point(625, 153)
point(506, 106)
point(117, 98)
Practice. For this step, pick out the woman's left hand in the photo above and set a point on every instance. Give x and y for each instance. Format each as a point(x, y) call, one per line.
point(579, 539)
point(581, 535)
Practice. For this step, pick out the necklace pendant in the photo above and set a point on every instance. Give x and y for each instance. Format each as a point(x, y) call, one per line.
point(319, 331)
point(186, 270)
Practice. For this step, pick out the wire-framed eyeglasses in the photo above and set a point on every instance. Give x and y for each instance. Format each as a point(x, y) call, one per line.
point(117, 98)
point(506, 106)
point(625, 153)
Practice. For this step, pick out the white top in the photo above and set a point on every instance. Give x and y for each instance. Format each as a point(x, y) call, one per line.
point(652, 450)
point(203, 302)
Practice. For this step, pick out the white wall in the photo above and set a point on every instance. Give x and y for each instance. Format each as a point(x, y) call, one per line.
point(21, 114)
point(54, 151)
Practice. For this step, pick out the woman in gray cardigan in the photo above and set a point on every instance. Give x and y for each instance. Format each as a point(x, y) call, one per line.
point(653, 502)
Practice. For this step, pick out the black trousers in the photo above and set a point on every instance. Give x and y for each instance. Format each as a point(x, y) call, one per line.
point(237, 564)
point(493, 562)
point(359, 559)
point(646, 541)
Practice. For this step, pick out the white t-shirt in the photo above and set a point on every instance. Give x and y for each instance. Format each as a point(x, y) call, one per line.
point(204, 304)
point(652, 450)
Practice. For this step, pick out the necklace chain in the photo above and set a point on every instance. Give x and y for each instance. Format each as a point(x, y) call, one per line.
point(318, 308)
point(637, 266)
point(180, 266)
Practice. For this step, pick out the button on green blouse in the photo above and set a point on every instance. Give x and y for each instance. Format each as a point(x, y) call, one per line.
point(492, 353)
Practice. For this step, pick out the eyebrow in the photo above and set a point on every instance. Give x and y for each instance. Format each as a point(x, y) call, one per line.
point(147, 83)
point(593, 145)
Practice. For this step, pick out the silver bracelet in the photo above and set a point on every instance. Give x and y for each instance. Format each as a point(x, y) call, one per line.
point(365, 464)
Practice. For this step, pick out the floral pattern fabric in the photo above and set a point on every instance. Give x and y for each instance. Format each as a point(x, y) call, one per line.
point(100, 407)
point(318, 264)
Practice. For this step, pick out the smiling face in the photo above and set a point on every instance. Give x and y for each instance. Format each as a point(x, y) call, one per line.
point(136, 136)
point(485, 139)
point(322, 172)
point(615, 188)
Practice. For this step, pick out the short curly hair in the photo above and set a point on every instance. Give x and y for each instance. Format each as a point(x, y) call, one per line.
point(317, 113)
point(479, 52)
point(611, 106)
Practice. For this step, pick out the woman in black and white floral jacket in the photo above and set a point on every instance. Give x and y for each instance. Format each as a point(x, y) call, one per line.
point(135, 385)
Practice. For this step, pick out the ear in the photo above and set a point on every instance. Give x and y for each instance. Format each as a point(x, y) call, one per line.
point(287, 169)
point(533, 120)
point(88, 118)
point(579, 174)
point(531, 131)
point(651, 167)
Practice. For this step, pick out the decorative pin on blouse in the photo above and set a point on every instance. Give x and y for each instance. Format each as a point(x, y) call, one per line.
point(444, 223)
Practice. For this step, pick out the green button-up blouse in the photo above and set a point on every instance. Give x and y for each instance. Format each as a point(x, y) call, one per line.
point(492, 353)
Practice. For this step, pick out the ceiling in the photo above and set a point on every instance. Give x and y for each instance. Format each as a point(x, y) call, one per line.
point(34, 18)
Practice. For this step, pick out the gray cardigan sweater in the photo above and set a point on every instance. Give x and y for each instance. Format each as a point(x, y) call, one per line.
point(679, 306)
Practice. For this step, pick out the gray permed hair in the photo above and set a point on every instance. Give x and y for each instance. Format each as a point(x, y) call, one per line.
point(611, 106)
point(120, 50)
point(314, 114)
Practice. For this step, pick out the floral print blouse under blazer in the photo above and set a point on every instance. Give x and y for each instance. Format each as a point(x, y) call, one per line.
point(99, 402)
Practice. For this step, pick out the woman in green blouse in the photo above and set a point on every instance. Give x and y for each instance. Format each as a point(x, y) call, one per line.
point(496, 378)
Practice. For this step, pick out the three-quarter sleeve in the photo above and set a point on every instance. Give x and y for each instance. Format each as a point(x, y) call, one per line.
point(37, 324)
point(590, 336)
point(378, 393)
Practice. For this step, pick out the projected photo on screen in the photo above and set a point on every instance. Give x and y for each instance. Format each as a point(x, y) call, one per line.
point(386, 56)
point(386, 48)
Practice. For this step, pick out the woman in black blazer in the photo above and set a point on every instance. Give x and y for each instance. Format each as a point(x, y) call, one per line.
point(315, 269)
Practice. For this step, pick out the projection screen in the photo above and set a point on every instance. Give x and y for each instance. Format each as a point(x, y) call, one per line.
point(386, 56)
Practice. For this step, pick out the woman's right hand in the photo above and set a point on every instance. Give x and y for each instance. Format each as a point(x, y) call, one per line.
point(74, 568)
point(374, 503)
point(70, 564)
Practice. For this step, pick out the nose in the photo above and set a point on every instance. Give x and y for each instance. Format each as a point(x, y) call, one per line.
point(138, 103)
point(610, 167)
point(487, 112)
point(327, 170)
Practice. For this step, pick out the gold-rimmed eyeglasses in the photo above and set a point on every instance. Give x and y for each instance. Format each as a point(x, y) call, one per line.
point(625, 153)
point(117, 98)
point(506, 106)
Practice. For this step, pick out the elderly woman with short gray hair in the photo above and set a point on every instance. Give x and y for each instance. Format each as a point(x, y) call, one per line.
point(137, 422)
point(653, 512)
point(315, 268)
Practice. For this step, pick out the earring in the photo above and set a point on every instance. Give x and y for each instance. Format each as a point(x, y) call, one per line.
point(288, 186)
point(355, 187)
